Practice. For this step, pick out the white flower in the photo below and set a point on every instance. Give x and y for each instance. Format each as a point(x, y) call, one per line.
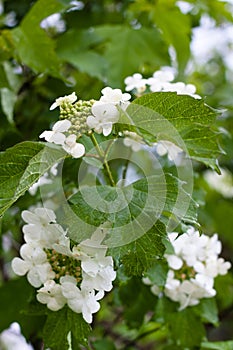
point(166, 147)
point(221, 183)
point(115, 96)
point(160, 79)
point(193, 266)
point(181, 89)
point(92, 247)
point(135, 81)
point(54, 21)
point(104, 116)
point(98, 273)
point(80, 300)
point(34, 264)
point(51, 294)
point(70, 145)
point(12, 339)
point(65, 99)
point(42, 228)
point(133, 140)
point(56, 134)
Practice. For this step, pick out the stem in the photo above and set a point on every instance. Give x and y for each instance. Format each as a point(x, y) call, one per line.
point(126, 166)
point(104, 160)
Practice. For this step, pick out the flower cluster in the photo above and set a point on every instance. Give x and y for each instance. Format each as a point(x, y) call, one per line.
point(77, 276)
point(106, 111)
point(192, 268)
point(162, 80)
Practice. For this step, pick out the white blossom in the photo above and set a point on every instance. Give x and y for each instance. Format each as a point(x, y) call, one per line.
point(181, 89)
point(135, 81)
point(133, 140)
point(65, 99)
point(98, 273)
point(115, 96)
point(34, 264)
point(222, 183)
point(75, 149)
point(12, 339)
point(82, 300)
point(51, 294)
point(54, 21)
point(193, 266)
point(105, 112)
point(56, 134)
point(166, 147)
point(160, 79)
point(103, 118)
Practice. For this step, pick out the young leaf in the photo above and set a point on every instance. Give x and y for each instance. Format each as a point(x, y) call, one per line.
point(181, 119)
point(21, 166)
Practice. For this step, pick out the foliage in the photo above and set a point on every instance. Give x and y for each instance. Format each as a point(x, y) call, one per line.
point(102, 43)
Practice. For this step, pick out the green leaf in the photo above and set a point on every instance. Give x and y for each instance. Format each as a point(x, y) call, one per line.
point(28, 42)
point(105, 344)
point(56, 330)
point(174, 24)
point(8, 99)
point(158, 272)
point(222, 345)
point(125, 59)
point(207, 310)
point(80, 330)
point(58, 326)
point(13, 307)
point(181, 119)
point(140, 255)
point(76, 47)
point(21, 166)
point(182, 325)
point(137, 301)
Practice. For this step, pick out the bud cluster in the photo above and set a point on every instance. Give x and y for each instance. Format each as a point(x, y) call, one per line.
point(77, 114)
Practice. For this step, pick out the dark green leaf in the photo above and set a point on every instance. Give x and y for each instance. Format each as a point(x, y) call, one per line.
point(207, 310)
point(186, 328)
point(137, 301)
point(56, 330)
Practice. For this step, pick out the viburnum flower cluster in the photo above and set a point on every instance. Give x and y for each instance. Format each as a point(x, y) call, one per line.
point(77, 276)
point(162, 80)
point(192, 268)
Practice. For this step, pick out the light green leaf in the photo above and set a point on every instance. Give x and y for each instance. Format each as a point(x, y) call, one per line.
point(181, 119)
point(8, 99)
point(174, 24)
point(29, 42)
point(128, 49)
point(221, 345)
point(76, 47)
point(21, 166)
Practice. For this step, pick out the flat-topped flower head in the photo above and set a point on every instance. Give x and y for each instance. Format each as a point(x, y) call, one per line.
point(56, 134)
point(192, 268)
point(62, 100)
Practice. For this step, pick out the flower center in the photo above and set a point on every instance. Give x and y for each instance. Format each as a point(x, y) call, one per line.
point(64, 265)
